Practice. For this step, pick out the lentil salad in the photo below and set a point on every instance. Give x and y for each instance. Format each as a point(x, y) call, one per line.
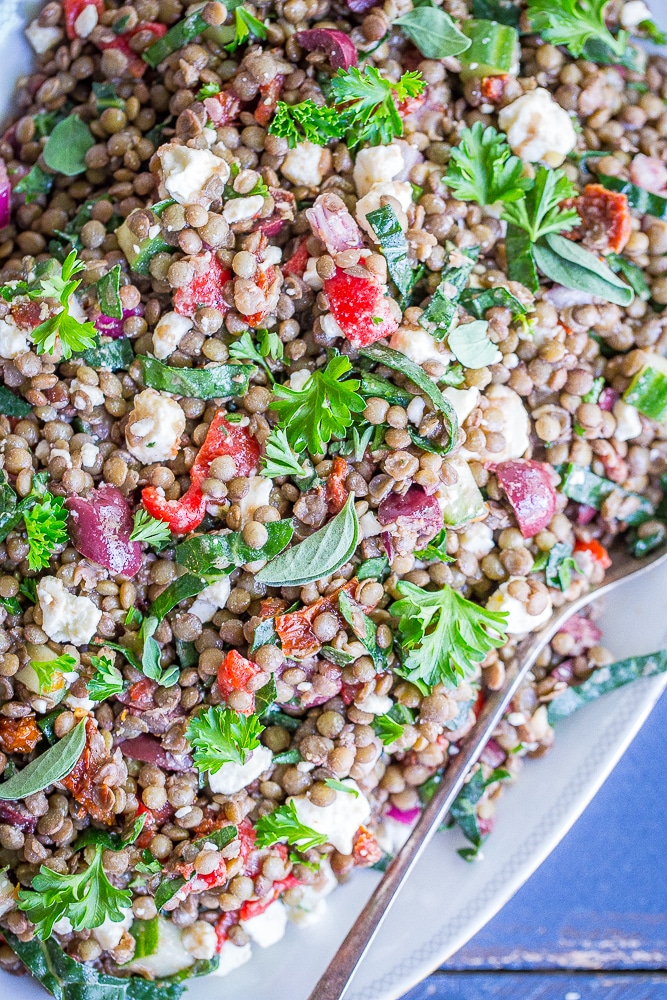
point(332, 345)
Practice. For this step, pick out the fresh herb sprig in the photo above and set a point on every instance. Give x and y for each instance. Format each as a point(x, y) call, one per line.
point(50, 672)
point(46, 528)
point(279, 459)
point(221, 736)
point(150, 530)
point(539, 210)
point(482, 168)
point(107, 679)
point(574, 23)
point(74, 335)
point(284, 824)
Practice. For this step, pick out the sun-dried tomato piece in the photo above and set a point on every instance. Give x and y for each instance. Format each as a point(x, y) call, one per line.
point(253, 907)
point(298, 261)
point(296, 628)
point(268, 98)
point(97, 797)
point(607, 222)
point(154, 820)
point(365, 850)
point(336, 492)
point(19, 735)
point(233, 675)
point(493, 87)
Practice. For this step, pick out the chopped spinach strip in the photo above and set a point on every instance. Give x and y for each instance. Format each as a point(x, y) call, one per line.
point(218, 382)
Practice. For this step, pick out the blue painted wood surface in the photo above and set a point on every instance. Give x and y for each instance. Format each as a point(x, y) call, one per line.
point(599, 902)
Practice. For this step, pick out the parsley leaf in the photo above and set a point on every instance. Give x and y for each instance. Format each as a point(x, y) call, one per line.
point(208, 90)
point(50, 672)
point(222, 736)
point(46, 527)
point(306, 121)
point(74, 335)
point(269, 345)
point(107, 679)
point(245, 25)
point(387, 729)
point(150, 529)
point(87, 898)
point(368, 102)
point(444, 634)
point(539, 212)
point(573, 23)
point(436, 548)
point(323, 408)
point(482, 168)
point(283, 824)
point(279, 459)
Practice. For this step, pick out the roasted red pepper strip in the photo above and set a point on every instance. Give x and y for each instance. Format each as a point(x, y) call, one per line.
point(72, 9)
point(136, 66)
point(233, 675)
point(296, 628)
point(268, 98)
point(336, 492)
point(366, 851)
point(205, 289)
point(596, 550)
point(299, 260)
point(253, 907)
point(223, 438)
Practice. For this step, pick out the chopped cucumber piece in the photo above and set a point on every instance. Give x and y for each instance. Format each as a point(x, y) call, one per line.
point(648, 390)
point(493, 49)
point(463, 501)
point(140, 253)
point(583, 486)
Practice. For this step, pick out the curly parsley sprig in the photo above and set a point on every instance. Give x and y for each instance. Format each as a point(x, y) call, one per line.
point(222, 736)
point(574, 23)
point(46, 528)
point(74, 335)
point(482, 168)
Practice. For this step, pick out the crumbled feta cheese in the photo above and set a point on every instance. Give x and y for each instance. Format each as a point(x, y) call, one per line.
point(200, 940)
point(89, 453)
point(417, 345)
point(376, 165)
point(154, 231)
point(339, 821)
point(63, 926)
point(258, 495)
point(93, 392)
point(399, 191)
point(464, 401)
point(65, 617)
point(61, 453)
point(86, 21)
point(83, 704)
point(538, 129)
point(168, 333)
point(7, 890)
point(267, 928)
point(211, 599)
point(241, 209)
point(42, 39)
point(628, 423)
point(232, 957)
point(415, 410)
point(154, 428)
point(298, 379)
point(515, 428)
point(392, 834)
point(233, 777)
point(12, 340)
point(633, 14)
point(305, 164)
point(169, 958)
point(109, 933)
point(330, 326)
point(518, 620)
point(185, 171)
point(312, 906)
point(311, 277)
point(477, 539)
point(375, 704)
point(370, 525)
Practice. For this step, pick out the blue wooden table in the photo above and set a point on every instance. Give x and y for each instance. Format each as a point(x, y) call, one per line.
point(591, 924)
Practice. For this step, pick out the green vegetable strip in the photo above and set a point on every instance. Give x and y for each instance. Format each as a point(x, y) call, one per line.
point(643, 201)
point(206, 554)
point(387, 228)
point(493, 48)
point(185, 31)
point(116, 355)
point(478, 301)
point(382, 388)
point(606, 679)
point(583, 486)
point(11, 405)
point(220, 382)
point(520, 263)
point(441, 310)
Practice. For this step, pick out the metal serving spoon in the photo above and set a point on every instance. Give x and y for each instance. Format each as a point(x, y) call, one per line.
point(334, 982)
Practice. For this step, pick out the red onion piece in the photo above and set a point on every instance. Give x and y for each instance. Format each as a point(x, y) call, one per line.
point(563, 298)
point(5, 195)
point(607, 399)
point(335, 227)
point(109, 326)
point(530, 492)
point(649, 172)
point(18, 816)
point(417, 516)
point(100, 528)
point(149, 750)
point(339, 47)
point(407, 816)
point(388, 544)
point(564, 671)
point(493, 754)
point(585, 514)
point(360, 6)
point(584, 632)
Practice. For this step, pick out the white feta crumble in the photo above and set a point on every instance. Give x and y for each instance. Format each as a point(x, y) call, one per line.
point(518, 620)
point(258, 495)
point(267, 928)
point(65, 617)
point(369, 524)
point(93, 392)
point(185, 171)
point(298, 379)
point(154, 231)
point(42, 39)
point(339, 821)
point(63, 926)
point(241, 209)
point(375, 704)
point(538, 129)
point(83, 704)
point(200, 940)
point(311, 277)
point(233, 777)
point(376, 165)
point(169, 958)
point(211, 599)
point(12, 340)
point(477, 539)
point(89, 453)
point(464, 401)
point(312, 906)
point(305, 164)
point(415, 410)
point(398, 191)
point(628, 422)
point(392, 834)
point(232, 957)
point(417, 345)
point(154, 428)
point(168, 333)
point(109, 933)
point(515, 426)
point(633, 14)
point(86, 21)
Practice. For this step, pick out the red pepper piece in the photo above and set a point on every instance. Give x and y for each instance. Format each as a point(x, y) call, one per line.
point(336, 492)
point(233, 675)
point(72, 9)
point(136, 66)
point(154, 820)
point(596, 550)
point(253, 907)
point(360, 308)
point(365, 850)
point(204, 289)
point(296, 628)
point(298, 261)
point(493, 87)
point(606, 217)
point(268, 98)
point(223, 438)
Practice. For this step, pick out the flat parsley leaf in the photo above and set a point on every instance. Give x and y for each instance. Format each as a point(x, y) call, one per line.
point(279, 459)
point(539, 211)
point(306, 121)
point(368, 102)
point(74, 335)
point(573, 23)
point(50, 672)
point(150, 529)
point(482, 168)
point(222, 736)
point(107, 679)
point(283, 824)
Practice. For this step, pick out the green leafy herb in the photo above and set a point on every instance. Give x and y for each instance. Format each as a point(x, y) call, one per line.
point(433, 32)
point(217, 382)
point(439, 314)
point(606, 679)
point(373, 569)
point(319, 555)
point(470, 344)
point(112, 841)
point(28, 587)
point(46, 527)
point(269, 345)
point(340, 786)
point(580, 484)
point(283, 824)
point(208, 90)
point(12, 405)
point(306, 122)
point(220, 837)
point(115, 355)
point(53, 765)
point(245, 25)
point(106, 681)
point(569, 264)
point(387, 729)
point(478, 301)
point(464, 808)
point(279, 459)
point(593, 393)
point(167, 889)
point(435, 549)
point(364, 628)
point(11, 510)
point(287, 757)
point(74, 336)
point(11, 605)
point(212, 553)
point(444, 635)
point(106, 97)
point(265, 697)
point(482, 168)
point(50, 672)
point(393, 242)
point(502, 11)
point(66, 148)
point(538, 212)
point(35, 183)
point(558, 565)
point(311, 416)
point(149, 865)
point(108, 293)
point(178, 35)
point(632, 273)
point(220, 736)
point(574, 23)
point(150, 529)
point(368, 102)
point(45, 122)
